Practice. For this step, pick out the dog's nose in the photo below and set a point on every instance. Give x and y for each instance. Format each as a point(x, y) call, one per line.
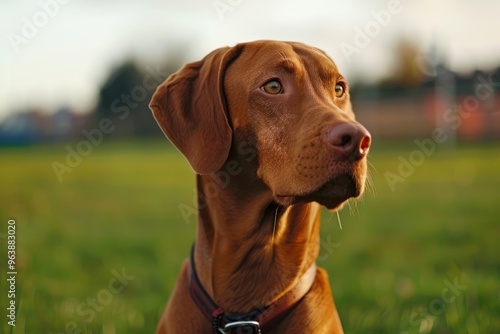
point(350, 140)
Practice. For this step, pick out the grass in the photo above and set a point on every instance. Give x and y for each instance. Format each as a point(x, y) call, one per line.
point(391, 267)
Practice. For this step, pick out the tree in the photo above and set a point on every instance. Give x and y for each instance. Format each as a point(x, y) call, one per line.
point(124, 97)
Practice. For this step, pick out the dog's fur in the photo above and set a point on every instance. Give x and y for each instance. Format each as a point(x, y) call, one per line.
point(265, 164)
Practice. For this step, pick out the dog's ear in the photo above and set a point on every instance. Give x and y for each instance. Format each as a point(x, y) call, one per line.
point(191, 110)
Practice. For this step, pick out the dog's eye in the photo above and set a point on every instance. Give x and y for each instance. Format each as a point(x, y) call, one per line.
point(339, 90)
point(273, 87)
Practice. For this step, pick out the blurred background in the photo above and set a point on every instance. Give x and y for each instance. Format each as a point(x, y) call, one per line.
point(96, 190)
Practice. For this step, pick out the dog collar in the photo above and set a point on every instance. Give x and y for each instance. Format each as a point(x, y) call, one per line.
point(262, 319)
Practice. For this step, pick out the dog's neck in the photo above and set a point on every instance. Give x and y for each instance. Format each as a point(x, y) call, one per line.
point(249, 250)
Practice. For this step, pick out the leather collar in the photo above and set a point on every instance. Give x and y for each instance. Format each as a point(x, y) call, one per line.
point(260, 320)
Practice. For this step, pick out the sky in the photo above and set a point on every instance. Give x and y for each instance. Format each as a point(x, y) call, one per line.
point(56, 53)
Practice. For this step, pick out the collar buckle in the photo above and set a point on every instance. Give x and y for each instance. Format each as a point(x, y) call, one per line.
point(254, 326)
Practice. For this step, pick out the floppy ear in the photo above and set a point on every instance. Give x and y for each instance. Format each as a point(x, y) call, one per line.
point(190, 108)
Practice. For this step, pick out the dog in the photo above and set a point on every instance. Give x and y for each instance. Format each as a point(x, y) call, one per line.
point(268, 128)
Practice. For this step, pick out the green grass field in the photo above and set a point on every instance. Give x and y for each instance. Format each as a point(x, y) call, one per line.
point(424, 258)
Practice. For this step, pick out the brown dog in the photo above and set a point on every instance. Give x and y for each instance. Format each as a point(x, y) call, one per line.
point(269, 130)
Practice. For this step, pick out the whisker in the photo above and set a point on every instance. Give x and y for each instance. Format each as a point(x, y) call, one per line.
point(275, 220)
point(371, 165)
point(369, 180)
point(353, 210)
point(338, 217)
point(330, 219)
point(350, 207)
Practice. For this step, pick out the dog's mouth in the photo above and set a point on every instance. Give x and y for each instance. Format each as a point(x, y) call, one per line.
point(332, 194)
point(336, 191)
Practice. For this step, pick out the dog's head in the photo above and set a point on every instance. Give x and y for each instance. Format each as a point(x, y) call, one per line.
point(291, 98)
